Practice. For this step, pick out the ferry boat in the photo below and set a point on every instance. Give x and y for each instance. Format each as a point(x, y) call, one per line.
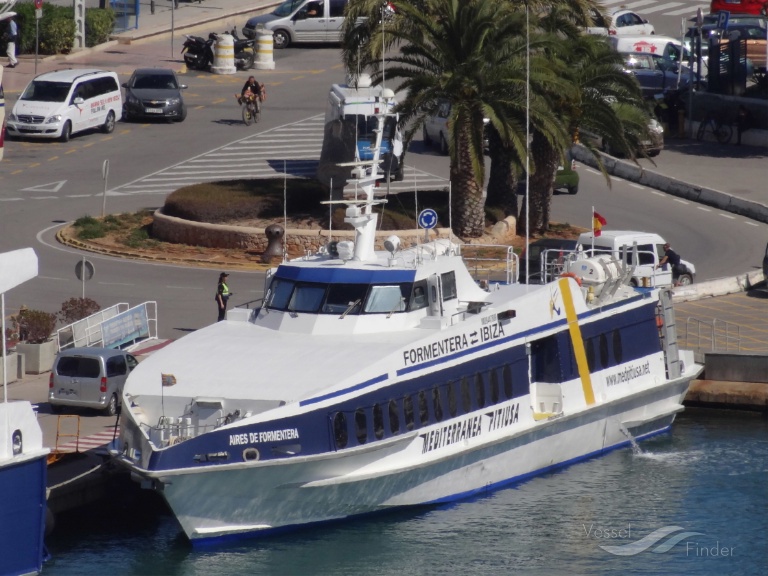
point(23, 458)
point(370, 379)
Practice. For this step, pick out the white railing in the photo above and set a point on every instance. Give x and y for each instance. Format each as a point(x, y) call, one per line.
point(90, 331)
point(712, 335)
point(489, 263)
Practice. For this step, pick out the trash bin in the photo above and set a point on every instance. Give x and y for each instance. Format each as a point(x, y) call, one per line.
point(264, 48)
point(224, 55)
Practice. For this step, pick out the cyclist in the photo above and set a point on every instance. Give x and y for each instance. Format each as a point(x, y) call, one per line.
point(251, 89)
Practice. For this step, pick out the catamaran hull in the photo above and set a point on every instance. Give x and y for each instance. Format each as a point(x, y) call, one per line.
point(229, 502)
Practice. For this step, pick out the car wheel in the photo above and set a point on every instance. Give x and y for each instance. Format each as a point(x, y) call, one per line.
point(66, 132)
point(109, 123)
point(425, 136)
point(183, 115)
point(443, 145)
point(573, 189)
point(281, 39)
point(111, 408)
point(684, 280)
point(127, 116)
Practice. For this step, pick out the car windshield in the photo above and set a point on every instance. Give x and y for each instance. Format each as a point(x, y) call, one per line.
point(155, 82)
point(287, 8)
point(42, 91)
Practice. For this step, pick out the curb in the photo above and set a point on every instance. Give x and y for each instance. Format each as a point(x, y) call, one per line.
point(66, 240)
point(693, 192)
point(718, 287)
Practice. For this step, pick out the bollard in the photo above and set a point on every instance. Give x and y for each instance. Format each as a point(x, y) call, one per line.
point(275, 234)
point(224, 55)
point(264, 48)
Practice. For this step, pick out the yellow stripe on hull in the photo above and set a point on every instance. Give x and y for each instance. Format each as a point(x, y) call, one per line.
point(577, 341)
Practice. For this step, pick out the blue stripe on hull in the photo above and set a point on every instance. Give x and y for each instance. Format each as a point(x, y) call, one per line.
point(468, 495)
point(22, 516)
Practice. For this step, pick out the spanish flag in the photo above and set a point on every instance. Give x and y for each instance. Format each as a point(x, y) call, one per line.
point(597, 224)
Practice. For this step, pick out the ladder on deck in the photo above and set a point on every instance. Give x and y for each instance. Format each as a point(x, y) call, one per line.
point(56, 454)
point(668, 334)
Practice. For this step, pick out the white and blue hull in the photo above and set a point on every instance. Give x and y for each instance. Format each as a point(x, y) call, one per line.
point(245, 500)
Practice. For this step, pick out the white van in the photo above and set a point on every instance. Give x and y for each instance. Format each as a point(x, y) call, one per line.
point(301, 21)
point(650, 250)
point(59, 104)
point(665, 46)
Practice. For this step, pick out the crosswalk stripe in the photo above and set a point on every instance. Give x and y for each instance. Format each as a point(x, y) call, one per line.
point(661, 7)
point(88, 442)
point(691, 10)
point(638, 4)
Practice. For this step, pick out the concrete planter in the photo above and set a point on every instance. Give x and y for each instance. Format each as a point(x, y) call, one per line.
point(11, 368)
point(38, 357)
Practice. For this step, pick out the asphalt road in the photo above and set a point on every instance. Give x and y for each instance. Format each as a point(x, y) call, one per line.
point(47, 183)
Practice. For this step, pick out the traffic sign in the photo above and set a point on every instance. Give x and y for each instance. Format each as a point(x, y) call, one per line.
point(427, 218)
point(38, 4)
point(722, 19)
point(84, 270)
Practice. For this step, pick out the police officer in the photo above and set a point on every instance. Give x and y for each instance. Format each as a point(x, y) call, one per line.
point(222, 295)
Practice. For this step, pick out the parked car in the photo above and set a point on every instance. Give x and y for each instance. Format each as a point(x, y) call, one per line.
point(566, 177)
point(651, 144)
point(650, 250)
point(740, 6)
point(89, 378)
point(301, 21)
point(154, 93)
point(435, 129)
point(61, 103)
point(655, 74)
point(628, 22)
point(599, 24)
point(551, 250)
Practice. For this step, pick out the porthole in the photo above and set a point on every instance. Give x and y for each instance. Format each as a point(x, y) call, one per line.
point(436, 404)
point(590, 351)
point(618, 351)
point(340, 433)
point(378, 422)
point(250, 455)
point(361, 426)
point(394, 417)
point(453, 407)
point(466, 399)
point(604, 351)
point(479, 390)
point(423, 409)
point(408, 409)
point(506, 375)
point(494, 387)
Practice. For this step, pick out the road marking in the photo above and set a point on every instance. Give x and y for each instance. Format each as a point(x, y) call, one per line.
point(691, 10)
point(657, 193)
point(751, 223)
point(52, 158)
point(51, 277)
point(661, 7)
point(116, 284)
point(636, 186)
point(45, 197)
point(10, 199)
point(72, 151)
point(50, 187)
point(78, 195)
point(186, 287)
point(703, 209)
point(728, 216)
point(638, 4)
point(681, 201)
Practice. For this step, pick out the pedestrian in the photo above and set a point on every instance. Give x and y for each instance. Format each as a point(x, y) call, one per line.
point(222, 295)
point(673, 259)
point(743, 120)
point(13, 38)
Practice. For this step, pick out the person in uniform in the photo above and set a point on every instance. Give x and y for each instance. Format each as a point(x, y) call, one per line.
point(222, 295)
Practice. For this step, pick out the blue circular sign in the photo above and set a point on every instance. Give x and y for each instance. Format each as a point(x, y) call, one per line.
point(428, 218)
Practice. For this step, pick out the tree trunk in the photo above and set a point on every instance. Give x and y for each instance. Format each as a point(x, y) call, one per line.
point(502, 182)
point(541, 184)
point(467, 201)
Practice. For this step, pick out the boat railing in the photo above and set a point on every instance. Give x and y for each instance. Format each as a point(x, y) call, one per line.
point(251, 304)
point(554, 261)
point(712, 335)
point(491, 263)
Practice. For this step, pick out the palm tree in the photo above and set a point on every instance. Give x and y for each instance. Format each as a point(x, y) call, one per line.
point(442, 55)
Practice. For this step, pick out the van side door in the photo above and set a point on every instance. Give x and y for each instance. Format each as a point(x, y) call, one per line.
point(117, 372)
point(310, 21)
point(335, 20)
point(79, 108)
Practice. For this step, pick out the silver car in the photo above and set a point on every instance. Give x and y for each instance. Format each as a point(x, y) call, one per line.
point(89, 378)
point(154, 93)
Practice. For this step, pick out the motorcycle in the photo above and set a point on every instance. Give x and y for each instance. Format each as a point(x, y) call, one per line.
point(198, 52)
point(245, 53)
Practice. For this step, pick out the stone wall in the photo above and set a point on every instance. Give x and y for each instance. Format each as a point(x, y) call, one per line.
point(298, 241)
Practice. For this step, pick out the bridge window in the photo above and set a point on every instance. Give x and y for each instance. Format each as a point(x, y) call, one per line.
point(385, 299)
point(342, 296)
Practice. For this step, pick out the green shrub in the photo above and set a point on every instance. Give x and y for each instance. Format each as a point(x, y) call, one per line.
point(85, 221)
point(76, 309)
point(88, 228)
point(39, 325)
point(57, 36)
point(99, 25)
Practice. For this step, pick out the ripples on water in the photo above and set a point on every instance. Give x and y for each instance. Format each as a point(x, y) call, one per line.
point(710, 476)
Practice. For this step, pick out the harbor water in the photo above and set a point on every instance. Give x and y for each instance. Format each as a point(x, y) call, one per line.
point(692, 501)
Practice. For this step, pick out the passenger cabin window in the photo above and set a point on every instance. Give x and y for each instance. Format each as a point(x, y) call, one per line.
point(341, 297)
point(448, 282)
point(385, 299)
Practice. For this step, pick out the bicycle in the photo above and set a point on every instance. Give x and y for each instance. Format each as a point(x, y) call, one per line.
point(251, 107)
point(715, 123)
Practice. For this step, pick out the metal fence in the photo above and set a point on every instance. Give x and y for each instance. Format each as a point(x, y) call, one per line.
point(712, 335)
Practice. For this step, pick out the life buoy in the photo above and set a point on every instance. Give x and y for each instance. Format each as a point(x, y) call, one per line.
point(571, 275)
